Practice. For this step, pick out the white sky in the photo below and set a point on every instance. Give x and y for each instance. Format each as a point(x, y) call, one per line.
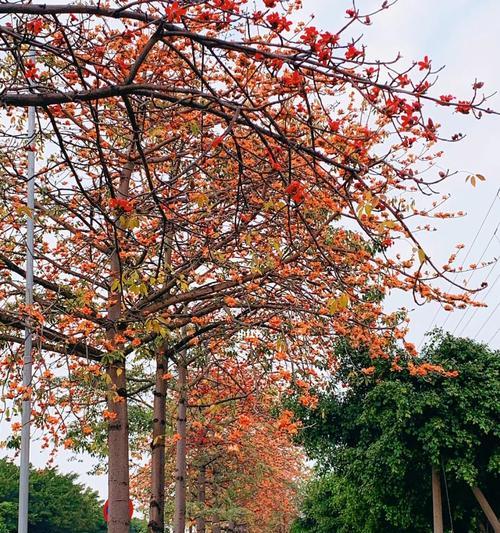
point(464, 36)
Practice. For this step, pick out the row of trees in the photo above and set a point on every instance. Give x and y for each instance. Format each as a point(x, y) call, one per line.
point(57, 503)
point(218, 191)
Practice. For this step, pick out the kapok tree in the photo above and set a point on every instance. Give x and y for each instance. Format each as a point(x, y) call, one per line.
point(206, 164)
point(241, 466)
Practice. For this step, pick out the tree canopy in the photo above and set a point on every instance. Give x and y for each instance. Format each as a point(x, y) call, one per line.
point(219, 188)
point(57, 502)
point(376, 442)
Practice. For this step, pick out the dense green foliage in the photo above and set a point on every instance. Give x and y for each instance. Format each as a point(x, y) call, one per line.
point(57, 503)
point(376, 442)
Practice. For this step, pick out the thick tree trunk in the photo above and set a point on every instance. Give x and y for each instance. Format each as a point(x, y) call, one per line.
point(200, 520)
point(118, 467)
point(157, 502)
point(180, 455)
point(118, 429)
point(437, 504)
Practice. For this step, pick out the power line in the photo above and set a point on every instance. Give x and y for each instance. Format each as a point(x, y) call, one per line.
point(487, 320)
point(495, 198)
point(492, 338)
point(472, 274)
point(485, 296)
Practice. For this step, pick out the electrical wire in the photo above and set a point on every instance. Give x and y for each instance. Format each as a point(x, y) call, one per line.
point(492, 338)
point(485, 296)
point(487, 320)
point(472, 273)
point(440, 308)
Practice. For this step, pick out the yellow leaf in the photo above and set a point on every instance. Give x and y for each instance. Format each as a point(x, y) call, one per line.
point(421, 255)
point(24, 210)
point(343, 301)
point(336, 304)
point(200, 198)
point(156, 131)
point(389, 224)
point(332, 306)
point(132, 223)
point(119, 371)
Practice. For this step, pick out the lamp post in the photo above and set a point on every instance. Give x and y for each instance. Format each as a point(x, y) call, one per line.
point(28, 335)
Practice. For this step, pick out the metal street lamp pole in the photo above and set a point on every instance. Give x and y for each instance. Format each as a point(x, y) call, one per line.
point(28, 336)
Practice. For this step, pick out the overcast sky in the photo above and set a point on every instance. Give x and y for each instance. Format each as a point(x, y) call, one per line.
point(464, 36)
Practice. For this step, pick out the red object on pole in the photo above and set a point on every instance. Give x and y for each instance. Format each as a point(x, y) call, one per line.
point(105, 510)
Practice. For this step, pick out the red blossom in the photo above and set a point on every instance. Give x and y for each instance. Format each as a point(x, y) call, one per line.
point(446, 98)
point(424, 64)
point(175, 12)
point(226, 5)
point(31, 72)
point(334, 124)
point(35, 26)
point(464, 107)
point(329, 38)
point(403, 80)
point(296, 190)
point(278, 23)
point(310, 35)
point(121, 203)
point(293, 79)
point(352, 52)
point(217, 141)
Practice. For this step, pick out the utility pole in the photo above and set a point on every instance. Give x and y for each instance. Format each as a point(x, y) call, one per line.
point(486, 507)
point(28, 335)
point(437, 504)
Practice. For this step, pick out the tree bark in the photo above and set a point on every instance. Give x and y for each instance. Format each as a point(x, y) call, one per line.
point(437, 505)
point(157, 501)
point(180, 455)
point(118, 465)
point(200, 520)
point(216, 525)
point(118, 429)
point(488, 511)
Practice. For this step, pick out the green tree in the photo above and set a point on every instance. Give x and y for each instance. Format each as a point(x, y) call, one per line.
point(376, 442)
point(57, 503)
